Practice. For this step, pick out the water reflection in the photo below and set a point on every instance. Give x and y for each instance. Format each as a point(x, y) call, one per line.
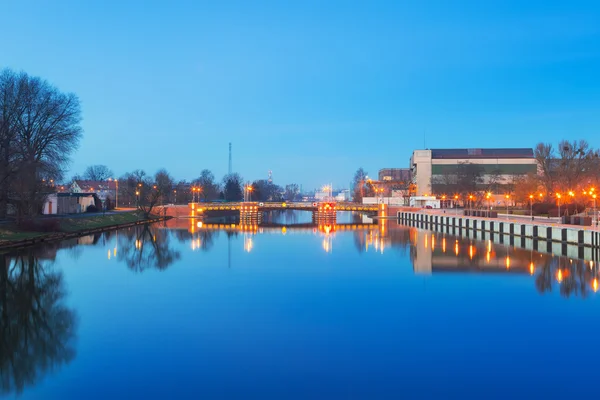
point(429, 252)
point(37, 332)
point(572, 277)
point(146, 246)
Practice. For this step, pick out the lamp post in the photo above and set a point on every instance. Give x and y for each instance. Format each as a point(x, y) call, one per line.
point(558, 201)
point(470, 202)
point(531, 206)
point(488, 196)
point(455, 201)
point(116, 192)
point(137, 199)
point(507, 198)
point(595, 219)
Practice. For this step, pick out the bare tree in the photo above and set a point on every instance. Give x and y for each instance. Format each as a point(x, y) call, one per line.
point(292, 192)
point(362, 187)
point(546, 161)
point(209, 189)
point(39, 129)
point(97, 173)
point(573, 166)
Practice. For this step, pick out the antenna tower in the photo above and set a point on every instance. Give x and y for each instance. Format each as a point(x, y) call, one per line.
point(270, 180)
point(230, 158)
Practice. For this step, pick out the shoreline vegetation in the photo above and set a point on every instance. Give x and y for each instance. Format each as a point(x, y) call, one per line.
point(43, 230)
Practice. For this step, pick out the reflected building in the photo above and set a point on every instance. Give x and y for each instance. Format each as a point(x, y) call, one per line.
point(435, 252)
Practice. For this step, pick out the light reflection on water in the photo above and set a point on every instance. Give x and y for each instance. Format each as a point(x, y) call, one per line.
point(323, 307)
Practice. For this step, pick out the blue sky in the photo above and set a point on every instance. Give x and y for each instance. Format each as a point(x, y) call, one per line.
point(310, 90)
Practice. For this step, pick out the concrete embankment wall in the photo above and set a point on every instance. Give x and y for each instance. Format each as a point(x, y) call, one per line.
point(578, 236)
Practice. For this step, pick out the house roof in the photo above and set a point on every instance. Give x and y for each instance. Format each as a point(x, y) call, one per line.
point(96, 185)
point(71, 194)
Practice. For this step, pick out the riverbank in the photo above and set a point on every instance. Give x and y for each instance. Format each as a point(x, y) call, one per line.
point(45, 230)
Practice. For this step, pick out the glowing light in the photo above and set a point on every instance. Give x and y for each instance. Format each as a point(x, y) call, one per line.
point(456, 248)
point(109, 254)
point(248, 244)
point(595, 284)
point(559, 276)
point(283, 230)
point(199, 224)
point(444, 245)
point(326, 245)
point(487, 257)
point(531, 268)
point(471, 251)
point(507, 262)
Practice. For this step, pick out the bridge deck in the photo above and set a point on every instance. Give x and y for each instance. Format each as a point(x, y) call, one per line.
point(268, 206)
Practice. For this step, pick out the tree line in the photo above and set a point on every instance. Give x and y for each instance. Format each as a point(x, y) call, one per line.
point(145, 191)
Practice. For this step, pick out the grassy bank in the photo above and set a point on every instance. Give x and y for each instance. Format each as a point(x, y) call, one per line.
point(51, 226)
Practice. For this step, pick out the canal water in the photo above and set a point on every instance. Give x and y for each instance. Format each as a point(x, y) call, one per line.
point(289, 310)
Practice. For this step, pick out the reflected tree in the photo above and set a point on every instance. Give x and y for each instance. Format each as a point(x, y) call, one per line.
point(571, 276)
point(206, 237)
point(37, 332)
point(145, 247)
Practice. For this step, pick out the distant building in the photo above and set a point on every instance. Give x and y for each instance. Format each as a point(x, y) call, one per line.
point(69, 203)
point(342, 195)
point(431, 167)
point(395, 174)
point(104, 189)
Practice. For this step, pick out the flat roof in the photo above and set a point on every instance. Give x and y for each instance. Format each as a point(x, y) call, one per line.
point(482, 153)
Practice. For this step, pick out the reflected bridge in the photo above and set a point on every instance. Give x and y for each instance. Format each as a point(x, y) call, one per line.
point(251, 212)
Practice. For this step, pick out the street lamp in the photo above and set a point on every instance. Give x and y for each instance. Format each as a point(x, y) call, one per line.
point(455, 201)
point(470, 203)
point(558, 196)
point(116, 192)
point(488, 196)
point(507, 197)
point(595, 219)
point(137, 198)
point(531, 206)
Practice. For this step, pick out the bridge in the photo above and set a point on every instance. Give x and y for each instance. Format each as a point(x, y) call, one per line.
point(252, 212)
point(272, 206)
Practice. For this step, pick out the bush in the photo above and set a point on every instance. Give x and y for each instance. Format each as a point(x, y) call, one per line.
point(542, 208)
point(92, 209)
point(41, 225)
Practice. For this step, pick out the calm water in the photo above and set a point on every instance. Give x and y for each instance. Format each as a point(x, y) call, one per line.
point(306, 312)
